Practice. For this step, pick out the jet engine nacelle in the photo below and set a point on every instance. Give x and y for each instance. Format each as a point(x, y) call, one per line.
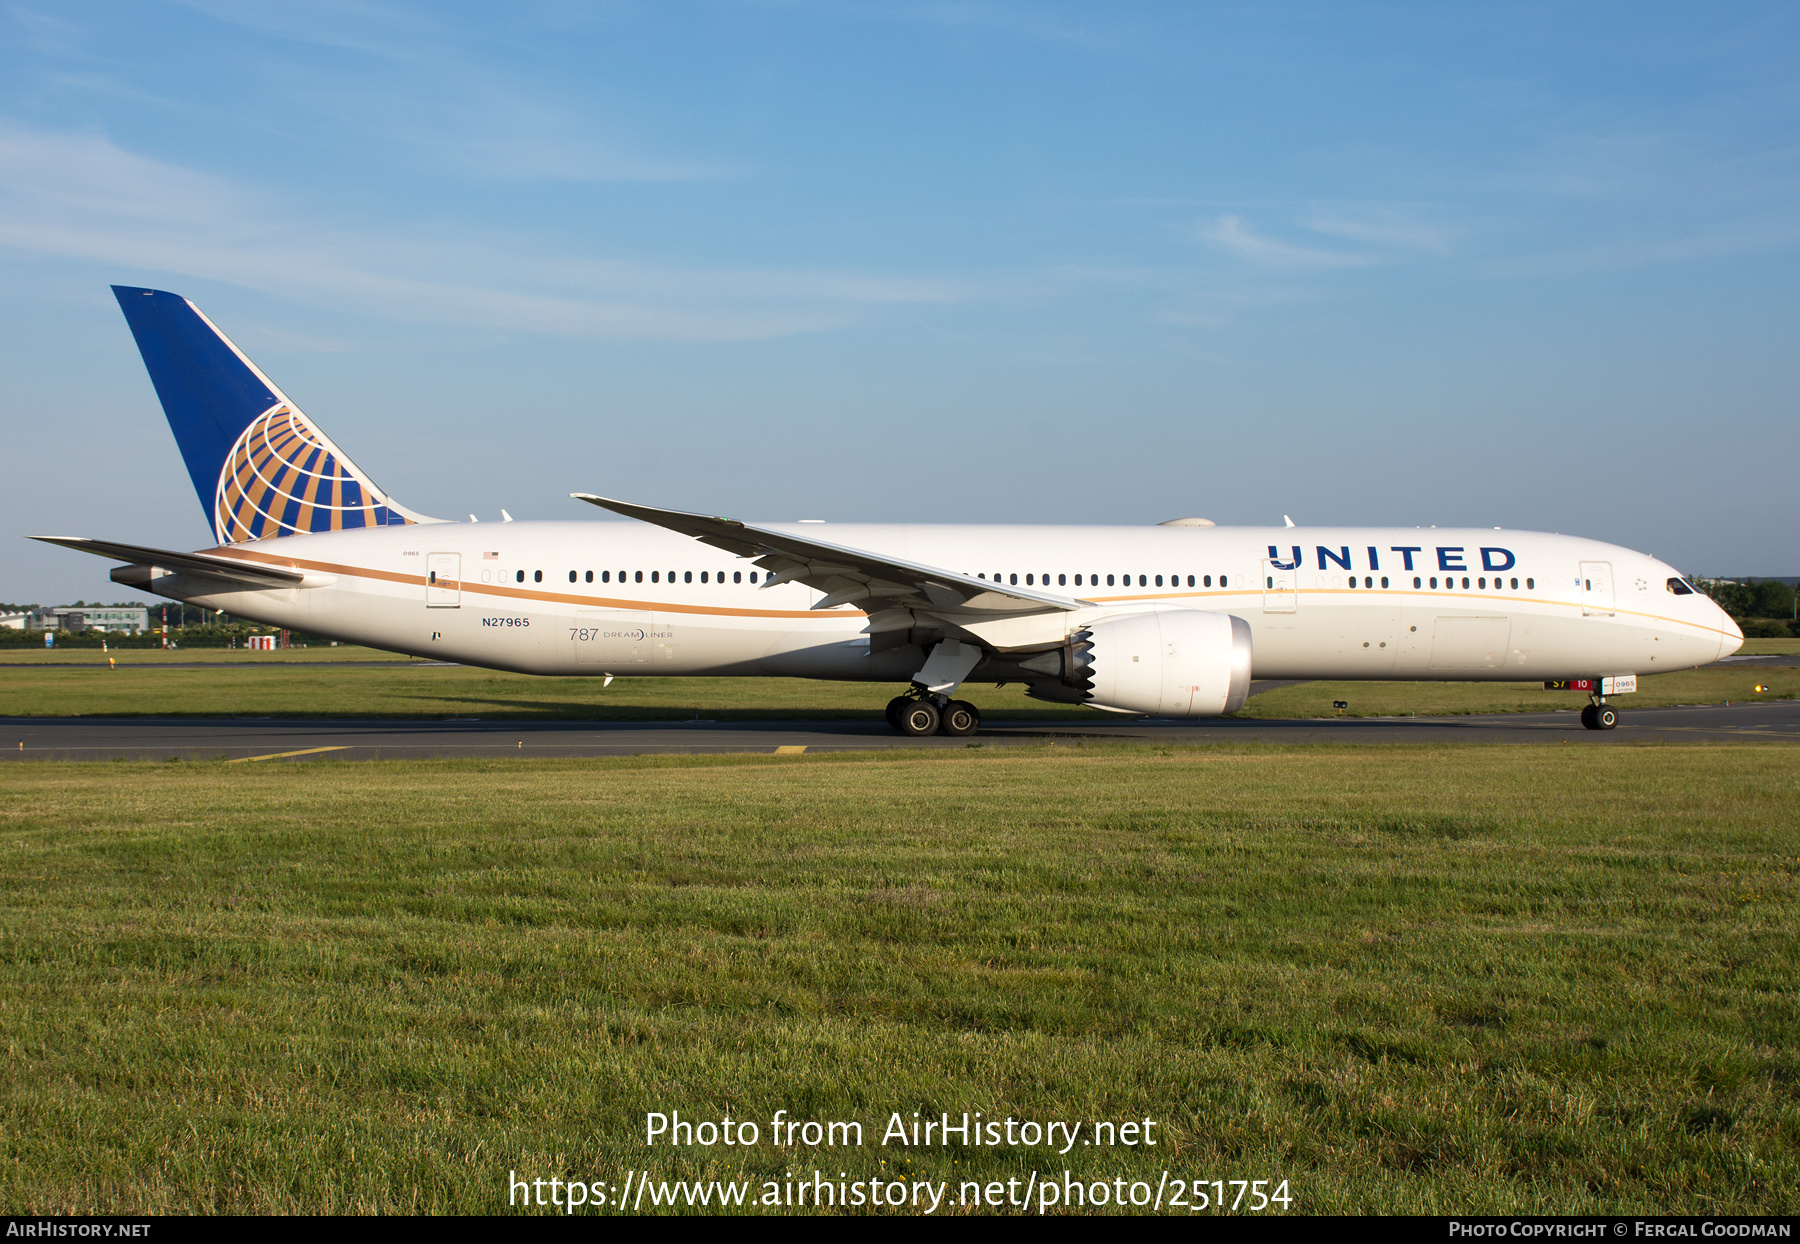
point(1166, 661)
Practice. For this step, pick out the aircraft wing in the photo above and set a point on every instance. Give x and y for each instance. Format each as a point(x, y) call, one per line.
point(211, 565)
point(874, 582)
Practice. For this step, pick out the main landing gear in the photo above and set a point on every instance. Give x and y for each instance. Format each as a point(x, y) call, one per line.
point(927, 708)
point(1600, 716)
point(930, 714)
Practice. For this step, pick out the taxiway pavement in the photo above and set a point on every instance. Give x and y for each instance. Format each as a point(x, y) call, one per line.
point(258, 739)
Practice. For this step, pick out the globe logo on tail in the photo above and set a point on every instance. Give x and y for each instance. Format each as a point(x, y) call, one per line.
point(283, 477)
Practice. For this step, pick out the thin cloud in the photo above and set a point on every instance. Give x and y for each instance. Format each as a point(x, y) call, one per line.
point(1746, 238)
point(81, 196)
point(489, 128)
point(1229, 233)
point(437, 96)
point(1382, 228)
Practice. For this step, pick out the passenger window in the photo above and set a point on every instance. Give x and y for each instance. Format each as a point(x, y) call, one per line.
point(1481, 583)
point(606, 576)
point(1028, 582)
point(1190, 580)
point(1383, 580)
point(1062, 580)
point(1221, 580)
point(1271, 580)
point(1015, 580)
point(656, 576)
point(686, 577)
point(519, 577)
point(1109, 580)
point(1208, 580)
point(571, 576)
point(1416, 581)
point(1158, 580)
point(1465, 580)
point(703, 576)
point(737, 576)
point(1433, 582)
point(640, 576)
point(537, 576)
point(1530, 584)
point(1142, 582)
point(590, 576)
point(753, 576)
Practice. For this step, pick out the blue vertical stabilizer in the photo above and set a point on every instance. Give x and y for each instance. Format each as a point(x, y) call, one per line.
point(260, 467)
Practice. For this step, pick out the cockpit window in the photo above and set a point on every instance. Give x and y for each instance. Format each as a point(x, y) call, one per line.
point(1680, 587)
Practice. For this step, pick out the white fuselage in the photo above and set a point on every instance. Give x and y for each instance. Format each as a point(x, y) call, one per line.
point(627, 598)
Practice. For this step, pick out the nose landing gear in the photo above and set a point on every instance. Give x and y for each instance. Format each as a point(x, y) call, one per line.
point(1600, 716)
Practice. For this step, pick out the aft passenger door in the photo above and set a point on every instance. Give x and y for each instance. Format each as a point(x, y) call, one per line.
point(1596, 590)
point(443, 580)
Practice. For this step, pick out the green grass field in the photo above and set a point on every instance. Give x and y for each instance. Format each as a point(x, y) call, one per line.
point(1486, 979)
point(1769, 647)
point(291, 689)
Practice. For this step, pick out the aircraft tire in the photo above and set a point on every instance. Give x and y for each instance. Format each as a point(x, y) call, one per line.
point(1606, 717)
point(919, 718)
point(960, 718)
point(895, 707)
point(1587, 718)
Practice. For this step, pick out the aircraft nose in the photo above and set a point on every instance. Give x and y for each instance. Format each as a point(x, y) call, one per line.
point(1733, 637)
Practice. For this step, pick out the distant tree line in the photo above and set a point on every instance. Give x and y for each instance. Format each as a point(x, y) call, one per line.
point(232, 635)
point(1762, 607)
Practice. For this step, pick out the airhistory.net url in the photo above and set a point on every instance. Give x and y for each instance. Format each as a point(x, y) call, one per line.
point(638, 1193)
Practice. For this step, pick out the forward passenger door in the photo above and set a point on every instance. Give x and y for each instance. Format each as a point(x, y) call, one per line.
point(1280, 588)
point(1596, 590)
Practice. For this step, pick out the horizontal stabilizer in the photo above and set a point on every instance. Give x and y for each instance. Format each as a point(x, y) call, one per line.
point(211, 565)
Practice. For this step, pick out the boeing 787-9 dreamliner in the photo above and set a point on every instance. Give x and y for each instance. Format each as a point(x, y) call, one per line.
point(1166, 621)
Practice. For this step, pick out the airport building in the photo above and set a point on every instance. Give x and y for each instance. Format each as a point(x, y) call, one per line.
point(91, 618)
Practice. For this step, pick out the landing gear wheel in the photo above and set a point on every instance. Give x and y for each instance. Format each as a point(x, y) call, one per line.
point(919, 718)
point(1587, 718)
point(960, 718)
point(1606, 717)
point(895, 707)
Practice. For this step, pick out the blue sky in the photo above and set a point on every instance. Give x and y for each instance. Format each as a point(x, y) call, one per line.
point(1528, 265)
